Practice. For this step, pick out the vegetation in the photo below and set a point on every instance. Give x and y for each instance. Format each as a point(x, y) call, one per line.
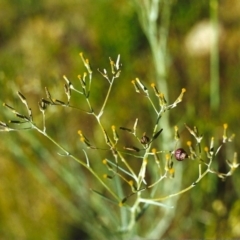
point(151, 166)
point(125, 180)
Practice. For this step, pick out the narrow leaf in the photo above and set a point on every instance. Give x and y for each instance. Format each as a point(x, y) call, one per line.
point(48, 94)
point(22, 98)
point(141, 85)
point(22, 116)
point(126, 129)
point(11, 108)
point(132, 148)
point(157, 134)
point(3, 124)
point(15, 121)
point(103, 196)
point(60, 102)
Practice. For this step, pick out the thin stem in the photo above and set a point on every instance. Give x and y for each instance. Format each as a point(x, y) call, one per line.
point(153, 105)
point(106, 98)
point(77, 160)
point(214, 58)
point(200, 177)
point(111, 144)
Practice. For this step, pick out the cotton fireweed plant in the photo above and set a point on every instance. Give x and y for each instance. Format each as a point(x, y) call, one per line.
point(137, 186)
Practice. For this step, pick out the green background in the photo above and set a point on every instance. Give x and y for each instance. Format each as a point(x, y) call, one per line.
point(46, 196)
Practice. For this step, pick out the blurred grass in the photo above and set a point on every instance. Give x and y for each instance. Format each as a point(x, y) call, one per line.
point(26, 204)
point(40, 42)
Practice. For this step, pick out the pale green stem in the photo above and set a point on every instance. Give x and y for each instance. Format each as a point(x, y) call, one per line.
point(214, 58)
point(157, 36)
point(77, 160)
point(200, 177)
point(106, 98)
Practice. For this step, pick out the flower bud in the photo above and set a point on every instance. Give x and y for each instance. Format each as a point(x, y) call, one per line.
point(180, 154)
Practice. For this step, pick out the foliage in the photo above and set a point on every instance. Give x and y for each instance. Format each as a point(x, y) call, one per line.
point(140, 179)
point(39, 43)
